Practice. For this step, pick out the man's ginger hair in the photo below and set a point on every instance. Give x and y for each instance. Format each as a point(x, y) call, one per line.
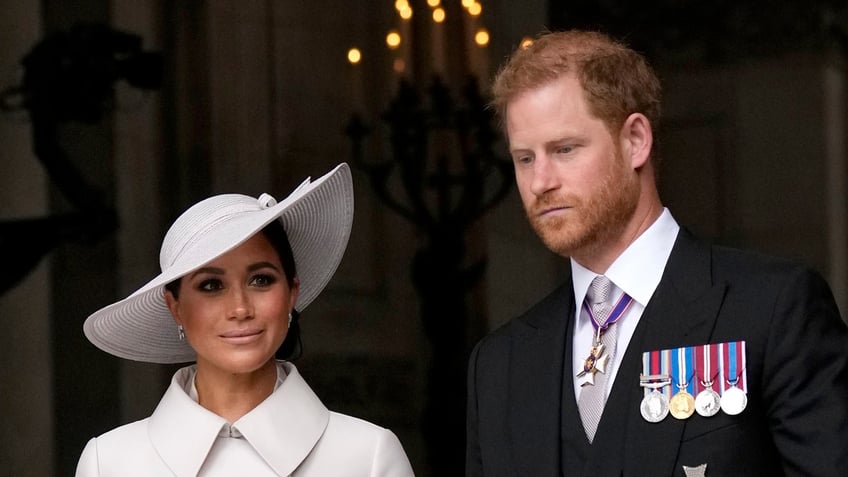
point(617, 81)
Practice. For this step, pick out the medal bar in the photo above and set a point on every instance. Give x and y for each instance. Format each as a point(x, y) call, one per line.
point(705, 378)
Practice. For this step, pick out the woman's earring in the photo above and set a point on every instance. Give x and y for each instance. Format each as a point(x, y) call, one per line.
point(181, 332)
point(290, 319)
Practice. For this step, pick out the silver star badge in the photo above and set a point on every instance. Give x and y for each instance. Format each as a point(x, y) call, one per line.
point(700, 471)
point(597, 361)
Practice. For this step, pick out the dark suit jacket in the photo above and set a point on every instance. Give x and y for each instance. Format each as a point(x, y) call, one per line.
point(523, 418)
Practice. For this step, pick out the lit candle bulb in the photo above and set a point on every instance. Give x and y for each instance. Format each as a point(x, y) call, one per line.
point(354, 58)
point(437, 52)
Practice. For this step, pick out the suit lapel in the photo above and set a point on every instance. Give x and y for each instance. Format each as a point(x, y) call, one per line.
point(536, 382)
point(682, 312)
point(571, 432)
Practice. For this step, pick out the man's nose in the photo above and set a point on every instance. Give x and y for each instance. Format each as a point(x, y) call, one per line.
point(544, 176)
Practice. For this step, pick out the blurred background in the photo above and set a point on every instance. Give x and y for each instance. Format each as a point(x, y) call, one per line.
point(117, 115)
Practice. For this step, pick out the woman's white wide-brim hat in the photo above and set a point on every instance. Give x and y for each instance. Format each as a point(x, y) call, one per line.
point(317, 217)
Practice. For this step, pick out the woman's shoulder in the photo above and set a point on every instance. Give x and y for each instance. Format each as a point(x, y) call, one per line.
point(108, 453)
point(365, 435)
point(360, 447)
point(126, 432)
point(339, 421)
point(115, 442)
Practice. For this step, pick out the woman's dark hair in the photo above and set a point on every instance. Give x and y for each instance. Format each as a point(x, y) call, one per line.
point(292, 347)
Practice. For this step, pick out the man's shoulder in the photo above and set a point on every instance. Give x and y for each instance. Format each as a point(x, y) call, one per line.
point(729, 262)
point(751, 277)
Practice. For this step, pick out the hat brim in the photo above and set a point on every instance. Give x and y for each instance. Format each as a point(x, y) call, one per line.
point(317, 218)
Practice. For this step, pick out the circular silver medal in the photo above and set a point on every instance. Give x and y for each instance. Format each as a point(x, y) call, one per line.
point(707, 403)
point(654, 406)
point(733, 401)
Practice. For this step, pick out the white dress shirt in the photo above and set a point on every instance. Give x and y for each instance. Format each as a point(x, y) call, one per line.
point(637, 272)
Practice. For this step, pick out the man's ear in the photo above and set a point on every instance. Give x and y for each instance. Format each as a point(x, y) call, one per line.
point(637, 139)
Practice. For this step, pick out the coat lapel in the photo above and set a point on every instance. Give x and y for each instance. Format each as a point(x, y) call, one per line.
point(682, 312)
point(536, 382)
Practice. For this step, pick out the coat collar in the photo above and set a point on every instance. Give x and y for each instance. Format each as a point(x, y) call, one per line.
point(283, 429)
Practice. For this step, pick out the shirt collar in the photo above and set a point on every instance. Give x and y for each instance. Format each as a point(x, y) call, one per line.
point(638, 270)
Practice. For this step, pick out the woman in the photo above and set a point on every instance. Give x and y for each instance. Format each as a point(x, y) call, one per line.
point(235, 273)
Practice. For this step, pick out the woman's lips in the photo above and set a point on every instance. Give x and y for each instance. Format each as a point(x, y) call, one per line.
point(241, 336)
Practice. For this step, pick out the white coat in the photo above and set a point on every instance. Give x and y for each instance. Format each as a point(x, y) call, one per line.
point(292, 432)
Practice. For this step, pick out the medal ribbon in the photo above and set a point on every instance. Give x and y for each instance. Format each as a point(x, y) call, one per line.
point(617, 312)
point(743, 374)
point(713, 355)
point(733, 365)
point(665, 356)
point(691, 383)
point(655, 371)
point(706, 366)
point(681, 368)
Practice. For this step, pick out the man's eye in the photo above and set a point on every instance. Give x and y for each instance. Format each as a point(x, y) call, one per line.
point(564, 149)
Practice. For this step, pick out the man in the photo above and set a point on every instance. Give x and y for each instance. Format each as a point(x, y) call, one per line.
point(649, 317)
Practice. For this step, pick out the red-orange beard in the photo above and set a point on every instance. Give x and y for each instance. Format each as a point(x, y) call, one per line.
point(591, 222)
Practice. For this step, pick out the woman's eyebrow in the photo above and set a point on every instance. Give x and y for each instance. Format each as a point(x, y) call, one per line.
point(210, 270)
point(259, 265)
